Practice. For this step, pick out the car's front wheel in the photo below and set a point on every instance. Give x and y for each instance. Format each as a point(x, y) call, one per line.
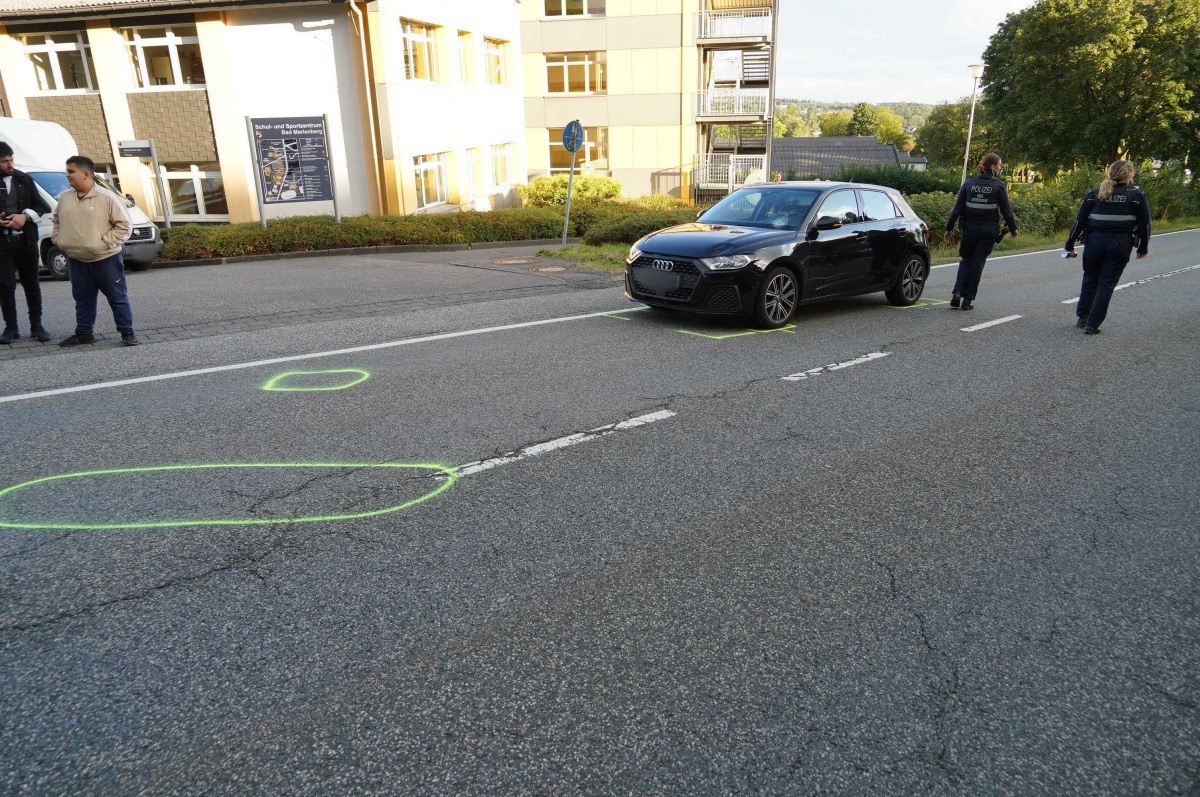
point(910, 283)
point(56, 261)
point(777, 298)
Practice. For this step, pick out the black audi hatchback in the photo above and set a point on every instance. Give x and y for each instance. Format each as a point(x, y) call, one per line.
point(766, 249)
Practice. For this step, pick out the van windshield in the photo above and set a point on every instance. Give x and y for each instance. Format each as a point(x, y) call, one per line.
point(53, 183)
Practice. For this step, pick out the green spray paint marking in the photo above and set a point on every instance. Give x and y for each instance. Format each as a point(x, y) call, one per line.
point(789, 328)
point(623, 313)
point(275, 383)
point(921, 304)
point(446, 475)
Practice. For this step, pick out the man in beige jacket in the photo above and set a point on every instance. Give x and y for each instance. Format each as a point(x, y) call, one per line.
point(91, 226)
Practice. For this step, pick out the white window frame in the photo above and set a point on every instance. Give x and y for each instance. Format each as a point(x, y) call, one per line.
point(466, 57)
point(588, 5)
point(562, 61)
point(78, 43)
point(437, 164)
point(411, 39)
point(584, 158)
point(135, 44)
point(494, 55)
point(196, 174)
point(502, 153)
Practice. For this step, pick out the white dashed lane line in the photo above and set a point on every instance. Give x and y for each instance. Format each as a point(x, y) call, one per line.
point(993, 323)
point(866, 358)
point(1142, 281)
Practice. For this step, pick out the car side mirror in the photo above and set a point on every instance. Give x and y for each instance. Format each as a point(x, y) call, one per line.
point(827, 223)
point(130, 199)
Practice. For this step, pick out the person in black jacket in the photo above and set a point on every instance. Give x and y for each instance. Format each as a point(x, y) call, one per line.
point(981, 202)
point(21, 207)
point(1115, 218)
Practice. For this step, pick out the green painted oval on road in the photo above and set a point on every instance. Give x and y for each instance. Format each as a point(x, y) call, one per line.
point(447, 480)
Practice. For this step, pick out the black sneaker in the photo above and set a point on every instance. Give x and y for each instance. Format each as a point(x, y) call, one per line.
point(9, 335)
point(77, 340)
point(40, 334)
point(129, 339)
point(1091, 330)
point(1081, 322)
point(966, 305)
point(955, 300)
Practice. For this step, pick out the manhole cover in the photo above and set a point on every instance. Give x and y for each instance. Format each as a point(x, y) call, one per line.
point(548, 269)
point(514, 261)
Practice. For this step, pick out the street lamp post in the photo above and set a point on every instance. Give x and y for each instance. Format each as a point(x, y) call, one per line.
point(976, 73)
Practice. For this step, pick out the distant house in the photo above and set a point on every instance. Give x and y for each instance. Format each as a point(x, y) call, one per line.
point(824, 156)
point(918, 163)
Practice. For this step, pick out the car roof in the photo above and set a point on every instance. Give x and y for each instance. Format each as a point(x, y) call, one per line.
point(824, 185)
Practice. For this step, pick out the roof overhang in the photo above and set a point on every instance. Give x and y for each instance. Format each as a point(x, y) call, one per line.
point(21, 12)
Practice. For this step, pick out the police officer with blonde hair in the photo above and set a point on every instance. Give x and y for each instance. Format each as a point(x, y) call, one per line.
point(1115, 217)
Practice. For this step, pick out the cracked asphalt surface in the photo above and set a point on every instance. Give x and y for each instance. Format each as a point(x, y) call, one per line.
point(969, 567)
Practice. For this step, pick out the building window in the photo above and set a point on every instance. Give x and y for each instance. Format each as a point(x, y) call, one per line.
point(576, 73)
point(61, 62)
point(501, 165)
point(592, 156)
point(466, 58)
point(165, 56)
point(195, 191)
point(418, 50)
point(495, 62)
point(574, 8)
point(430, 171)
point(474, 165)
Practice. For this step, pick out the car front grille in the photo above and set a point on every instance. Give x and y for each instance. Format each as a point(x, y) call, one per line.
point(723, 299)
point(142, 234)
point(689, 275)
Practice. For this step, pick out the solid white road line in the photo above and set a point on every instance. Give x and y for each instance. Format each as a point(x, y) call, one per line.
point(866, 358)
point(313, 356)
point(1143, 281)
point(987, 324)
point(1048, 251)
point(561, 442)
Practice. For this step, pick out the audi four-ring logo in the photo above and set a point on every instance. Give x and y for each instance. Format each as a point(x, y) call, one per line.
point(663, 265)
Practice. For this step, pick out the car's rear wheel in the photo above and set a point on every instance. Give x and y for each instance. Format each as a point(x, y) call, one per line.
point(131, 266)
point(56, 261)
point(777, 298)
point(910, 283)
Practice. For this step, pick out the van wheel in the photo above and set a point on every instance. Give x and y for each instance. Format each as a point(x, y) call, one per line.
point(777, 298)
point(56, 261)
point(910, 282)
point(136, 266)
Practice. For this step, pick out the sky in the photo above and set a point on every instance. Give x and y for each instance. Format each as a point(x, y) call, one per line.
point(884, 50)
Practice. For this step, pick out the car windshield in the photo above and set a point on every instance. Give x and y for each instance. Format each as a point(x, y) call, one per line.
point(771, 208)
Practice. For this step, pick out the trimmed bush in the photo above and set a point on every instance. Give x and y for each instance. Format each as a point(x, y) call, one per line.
point(552, 190)
point(906, 181)
point(629, 228)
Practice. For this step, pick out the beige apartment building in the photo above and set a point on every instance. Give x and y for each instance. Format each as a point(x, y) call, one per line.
point(422, 98)
point(675, 96)
point(430, 105)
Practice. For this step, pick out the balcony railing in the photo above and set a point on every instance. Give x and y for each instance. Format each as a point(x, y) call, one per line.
point(754, 23)
point(725, 172)
point(732, 102)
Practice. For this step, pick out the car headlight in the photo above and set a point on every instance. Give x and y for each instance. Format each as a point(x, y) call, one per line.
point(634, 254)
point(730, 263)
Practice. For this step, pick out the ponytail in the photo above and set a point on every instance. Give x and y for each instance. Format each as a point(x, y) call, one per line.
point(1119, 172)
point(989, 164)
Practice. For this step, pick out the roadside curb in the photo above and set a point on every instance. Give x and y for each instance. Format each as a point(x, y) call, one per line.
point(361, 250)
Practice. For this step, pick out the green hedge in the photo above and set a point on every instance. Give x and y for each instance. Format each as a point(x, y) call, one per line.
point(629, 228)
point(552, 190)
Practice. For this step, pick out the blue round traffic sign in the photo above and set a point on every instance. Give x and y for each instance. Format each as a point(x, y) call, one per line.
point(573, 136)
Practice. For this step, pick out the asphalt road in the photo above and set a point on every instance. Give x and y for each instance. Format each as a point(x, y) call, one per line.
point(931, 561)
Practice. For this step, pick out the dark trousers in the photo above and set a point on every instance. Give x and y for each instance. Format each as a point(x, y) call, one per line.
point(1104, 258)
point(105, 276)
point(21, 260)
point(973, 251)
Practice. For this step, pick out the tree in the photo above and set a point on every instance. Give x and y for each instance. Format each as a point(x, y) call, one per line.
point(890, 129)
point(1072, 82)
point(943, 137)
point(834, 123)
point(790, 123)
point(864, 121)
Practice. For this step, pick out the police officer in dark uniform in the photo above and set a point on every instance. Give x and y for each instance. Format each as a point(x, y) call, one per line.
point(981, 202)
point(1115, 218)
point(21, 207)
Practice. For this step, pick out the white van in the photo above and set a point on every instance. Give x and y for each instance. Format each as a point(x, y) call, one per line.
point(41, 149)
